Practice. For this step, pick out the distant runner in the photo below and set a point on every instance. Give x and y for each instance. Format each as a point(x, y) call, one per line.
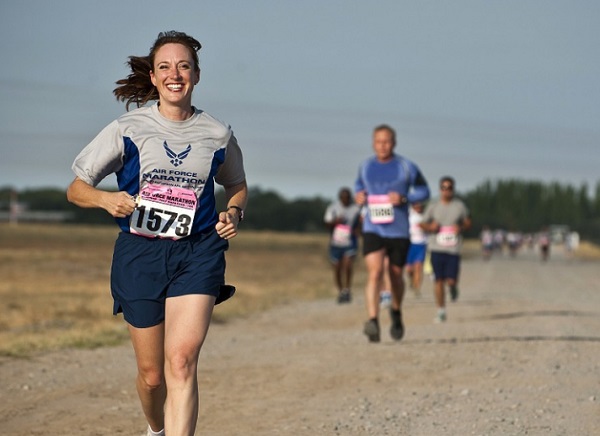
point(343, 218)
point(445, 220)
point(386, 184)
point(418, 248)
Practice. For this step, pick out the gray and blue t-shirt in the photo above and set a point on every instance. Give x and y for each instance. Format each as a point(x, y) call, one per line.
point(142, 147)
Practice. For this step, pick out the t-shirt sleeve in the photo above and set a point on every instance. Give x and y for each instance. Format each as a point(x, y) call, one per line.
point(101, 157)
point(428, 214)
point(420, 190)
point(232, 172)
point(329, 214)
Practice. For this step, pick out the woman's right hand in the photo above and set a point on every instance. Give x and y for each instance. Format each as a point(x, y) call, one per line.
point(118, 204)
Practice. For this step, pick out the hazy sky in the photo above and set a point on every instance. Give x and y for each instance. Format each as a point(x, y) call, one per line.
point(476, 89)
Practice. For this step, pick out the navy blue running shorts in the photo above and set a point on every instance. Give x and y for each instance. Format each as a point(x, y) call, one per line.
point(445, 265)
point(395, 248)
point(146, 271)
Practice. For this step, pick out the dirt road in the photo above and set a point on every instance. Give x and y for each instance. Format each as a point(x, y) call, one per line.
point(519, 355)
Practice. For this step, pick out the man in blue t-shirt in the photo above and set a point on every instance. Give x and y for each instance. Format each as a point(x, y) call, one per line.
point(387, 183)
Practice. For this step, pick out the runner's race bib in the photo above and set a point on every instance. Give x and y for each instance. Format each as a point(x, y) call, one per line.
point(447, 237)
point(341, 236)
point(381, 209)
point(164, 212)
point(417, 234)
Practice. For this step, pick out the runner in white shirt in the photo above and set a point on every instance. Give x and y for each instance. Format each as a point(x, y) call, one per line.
point(343, 218)
point(487, 242)
point(417, 249)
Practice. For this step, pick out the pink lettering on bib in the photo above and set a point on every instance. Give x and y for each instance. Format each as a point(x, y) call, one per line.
point(381, 210)
point(447, 236)
point(164, 212)
point(341, 236)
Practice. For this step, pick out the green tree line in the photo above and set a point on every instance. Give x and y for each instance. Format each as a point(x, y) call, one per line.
point(530, 205)
point(507, 204)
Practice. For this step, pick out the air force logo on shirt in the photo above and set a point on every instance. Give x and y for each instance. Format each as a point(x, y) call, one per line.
point(177, 159)
point(175, 177)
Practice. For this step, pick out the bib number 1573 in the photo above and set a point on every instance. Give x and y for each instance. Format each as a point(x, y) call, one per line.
point(164, 212)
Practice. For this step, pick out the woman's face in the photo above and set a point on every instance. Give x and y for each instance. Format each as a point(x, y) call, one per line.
point(174, 75)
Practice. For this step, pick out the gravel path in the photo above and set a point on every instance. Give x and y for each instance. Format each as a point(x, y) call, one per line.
point(519, 355)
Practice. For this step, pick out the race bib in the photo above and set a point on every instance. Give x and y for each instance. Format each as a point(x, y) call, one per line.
point(417, 234)
point(164, 212)
point(381, 209)
point(341, 236)
point(447, 237)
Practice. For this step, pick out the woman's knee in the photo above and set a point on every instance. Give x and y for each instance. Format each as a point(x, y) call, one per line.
point(153, 378)
point(181, 365)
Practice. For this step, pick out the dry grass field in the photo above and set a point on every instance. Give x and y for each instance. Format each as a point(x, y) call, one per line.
point(54, 291)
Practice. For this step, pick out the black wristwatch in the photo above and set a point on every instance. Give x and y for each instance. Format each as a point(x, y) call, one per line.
point(240, 212)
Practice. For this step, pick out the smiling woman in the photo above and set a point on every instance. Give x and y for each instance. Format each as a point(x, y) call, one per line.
point(178, 55)
point(168, 269)
point(174, 77)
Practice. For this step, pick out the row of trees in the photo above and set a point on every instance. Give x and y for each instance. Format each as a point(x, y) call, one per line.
point(528, 206)
point(510, 204)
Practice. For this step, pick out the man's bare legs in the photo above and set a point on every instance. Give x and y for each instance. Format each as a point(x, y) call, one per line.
point(343, 272)
point(440, 297)
point(347, 271)
point(397, 282)
point(375, 262)
point(397, 285)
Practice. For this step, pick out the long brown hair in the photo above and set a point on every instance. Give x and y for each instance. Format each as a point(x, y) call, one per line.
point(137, 87)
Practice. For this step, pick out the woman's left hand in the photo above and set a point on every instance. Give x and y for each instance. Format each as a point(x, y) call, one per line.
point(227, 225)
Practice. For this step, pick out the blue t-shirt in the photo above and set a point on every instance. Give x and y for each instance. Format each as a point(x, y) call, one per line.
point(397, 175)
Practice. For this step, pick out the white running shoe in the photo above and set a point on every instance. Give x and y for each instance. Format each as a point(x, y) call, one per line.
point(385, 299)
point(440, 317)
point(152, 433)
